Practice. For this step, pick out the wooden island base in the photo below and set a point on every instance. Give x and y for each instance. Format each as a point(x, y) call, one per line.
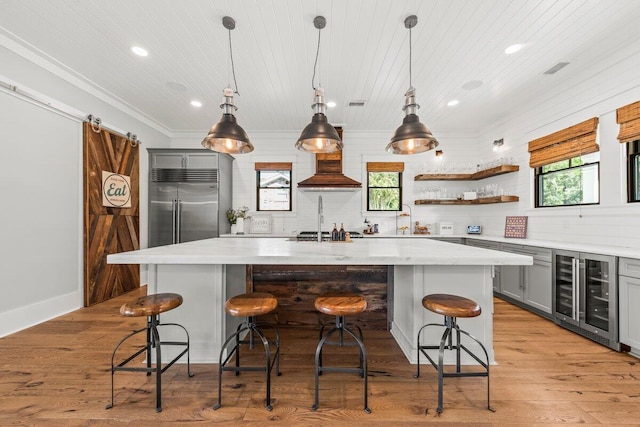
point(296, 286)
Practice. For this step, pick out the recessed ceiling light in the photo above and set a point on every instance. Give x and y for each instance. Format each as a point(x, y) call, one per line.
point(331, 104)
point(196, 103)
point(453, 103)
point(513, 48)
point(472, 84)
point(139, 51)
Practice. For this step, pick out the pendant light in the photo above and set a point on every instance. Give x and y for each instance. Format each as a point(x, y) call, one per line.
point(319, 136)
point(411, 137)
point(227, 136)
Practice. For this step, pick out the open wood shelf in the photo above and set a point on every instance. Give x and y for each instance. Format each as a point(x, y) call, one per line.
point(498, 170)
point(482, 201)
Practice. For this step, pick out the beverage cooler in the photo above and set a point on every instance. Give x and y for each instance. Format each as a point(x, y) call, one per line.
point(585, 295)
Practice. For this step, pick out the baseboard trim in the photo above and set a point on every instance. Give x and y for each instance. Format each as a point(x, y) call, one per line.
point(21, 318)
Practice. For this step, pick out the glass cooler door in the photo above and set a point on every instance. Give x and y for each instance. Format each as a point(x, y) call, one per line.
point(598, 301)
point(566, 292)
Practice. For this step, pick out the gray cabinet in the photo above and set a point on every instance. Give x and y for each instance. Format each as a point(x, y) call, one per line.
point(183, 159)
point(530, 285)
point(629, 301)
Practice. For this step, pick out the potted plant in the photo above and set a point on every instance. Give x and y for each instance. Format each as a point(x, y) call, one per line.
point(236, 219)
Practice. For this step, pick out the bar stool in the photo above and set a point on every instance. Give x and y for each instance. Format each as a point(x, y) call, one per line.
point(452, 307)
point(151, 306)
point(250, 305)
point(341, 305)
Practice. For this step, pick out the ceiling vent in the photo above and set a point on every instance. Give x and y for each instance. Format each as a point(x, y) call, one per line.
point(559, 66)
point(356, 103)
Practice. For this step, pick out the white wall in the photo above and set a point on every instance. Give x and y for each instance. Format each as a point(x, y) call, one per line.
point(41, 183)
point(597, 92)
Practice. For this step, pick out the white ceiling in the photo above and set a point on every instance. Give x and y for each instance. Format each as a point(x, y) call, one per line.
point(364, 54)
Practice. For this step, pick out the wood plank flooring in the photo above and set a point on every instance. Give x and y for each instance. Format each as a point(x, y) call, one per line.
point(57, 374)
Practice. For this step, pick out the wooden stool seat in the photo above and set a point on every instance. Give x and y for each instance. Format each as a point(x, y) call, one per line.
point(340, 304)
point(249, 305)
point(451, 305)
point(151, 305)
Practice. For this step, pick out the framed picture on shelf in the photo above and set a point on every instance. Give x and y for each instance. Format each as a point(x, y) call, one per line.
point(516, 227)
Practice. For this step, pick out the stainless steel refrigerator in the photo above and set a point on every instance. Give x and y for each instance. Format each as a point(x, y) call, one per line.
point(187, 203)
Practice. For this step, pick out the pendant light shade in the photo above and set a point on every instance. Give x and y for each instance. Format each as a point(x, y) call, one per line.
point(319, 136)
point(411, 137)
point(227, 136)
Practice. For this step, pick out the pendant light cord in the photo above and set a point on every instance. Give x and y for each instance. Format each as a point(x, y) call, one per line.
point(233, 68)
point(410, 82)
point(316, 62)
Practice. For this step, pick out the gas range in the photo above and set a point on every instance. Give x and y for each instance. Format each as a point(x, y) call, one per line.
point(326, 235)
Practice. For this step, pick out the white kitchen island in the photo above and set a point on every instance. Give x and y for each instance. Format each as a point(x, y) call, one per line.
point(207, 272)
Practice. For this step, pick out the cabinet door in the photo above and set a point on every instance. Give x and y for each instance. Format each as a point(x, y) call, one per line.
point(629, 313)
point(537, 285)
point(206, 160)
point(167, 161)
point(496, 278)
point(511, 281)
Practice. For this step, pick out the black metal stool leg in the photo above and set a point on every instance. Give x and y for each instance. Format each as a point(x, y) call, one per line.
point(445, 335)
point(158, 369)
point(267, 352)
point(340, 328)
point(241, 328)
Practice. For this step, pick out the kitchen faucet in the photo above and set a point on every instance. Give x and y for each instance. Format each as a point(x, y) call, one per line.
point(320, 218)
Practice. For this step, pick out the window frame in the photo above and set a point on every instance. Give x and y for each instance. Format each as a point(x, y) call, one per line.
point(539, 175)
point(633, 178)
point(399, 188)
point(273, 167)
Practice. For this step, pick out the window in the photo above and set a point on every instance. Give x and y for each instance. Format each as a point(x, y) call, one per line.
point(628, 117)
point(274, 186)
point(569, 182)
point(384, 186)
point(633, 171)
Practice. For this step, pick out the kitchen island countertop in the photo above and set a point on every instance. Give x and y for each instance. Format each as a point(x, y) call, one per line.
point(288, 251)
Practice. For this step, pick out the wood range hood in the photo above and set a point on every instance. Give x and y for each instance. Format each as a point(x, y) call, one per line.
point(329, 176)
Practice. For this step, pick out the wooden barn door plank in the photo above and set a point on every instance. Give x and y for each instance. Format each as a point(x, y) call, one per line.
point(109, 230)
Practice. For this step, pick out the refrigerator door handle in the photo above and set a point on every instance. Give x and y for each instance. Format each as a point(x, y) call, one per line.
point(173, 221)
point(179, 221)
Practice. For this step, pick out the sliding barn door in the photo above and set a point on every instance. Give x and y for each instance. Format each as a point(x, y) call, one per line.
point(109, 230)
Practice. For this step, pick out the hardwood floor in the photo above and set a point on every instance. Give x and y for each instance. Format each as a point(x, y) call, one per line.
point(57, 373)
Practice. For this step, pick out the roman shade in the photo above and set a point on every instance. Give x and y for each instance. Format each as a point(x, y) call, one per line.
point(628, 117)
point(273, 166)
point(385, 166)
point(565, 144)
